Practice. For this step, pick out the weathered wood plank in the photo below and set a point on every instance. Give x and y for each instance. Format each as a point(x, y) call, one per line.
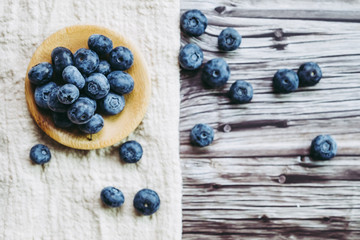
point(256, 181)
point(330, 107)
point(244, 180)
point(271, 197)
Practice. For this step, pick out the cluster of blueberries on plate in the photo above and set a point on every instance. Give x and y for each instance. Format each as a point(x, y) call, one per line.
point(216, 72)
point(94, 81)
point(90, 82)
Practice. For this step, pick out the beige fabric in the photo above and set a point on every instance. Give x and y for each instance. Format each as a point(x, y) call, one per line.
point(61, 200)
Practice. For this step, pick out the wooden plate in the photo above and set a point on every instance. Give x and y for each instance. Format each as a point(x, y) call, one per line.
point(116, 127)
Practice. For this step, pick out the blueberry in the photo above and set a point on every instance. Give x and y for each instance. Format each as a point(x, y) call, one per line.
point(40, 154)
point(112, 104)
point(81, 111)
point(121, 58)
point(93, 126)
point(96, 86)
point(42, 93)
point(146, 201)
point(285, 81)
point(68, 93)
point(41, 73)
point(201, 135)
point(191, 57)
point(53, 102)
point(86, 60)
point(309, 74)
point(241, 92)
point(85, 98)
point(61, 120)
point(120, 82)
point(112, 197)
point(103, 68)
point(229, 39)
point(193, 22)
point(215, 73)
point(61, 58)
point(323, 147)
point(100, 44)
point(72, 75)
point(131, 151)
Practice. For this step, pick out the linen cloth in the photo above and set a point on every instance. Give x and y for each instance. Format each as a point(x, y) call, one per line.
point(62, 199)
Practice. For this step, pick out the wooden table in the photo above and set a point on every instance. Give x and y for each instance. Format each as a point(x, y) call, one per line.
point(256, 181)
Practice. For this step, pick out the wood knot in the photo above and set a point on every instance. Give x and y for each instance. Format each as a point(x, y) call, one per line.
point(279, 47)
point(282, 179)
point(220, 9)
point(227, 128)
point(278, 34)
point(265, 218)
point(216, 186)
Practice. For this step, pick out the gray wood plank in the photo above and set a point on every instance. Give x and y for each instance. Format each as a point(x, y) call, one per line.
point(292, 120)
point(256, 180)
point(271, 198)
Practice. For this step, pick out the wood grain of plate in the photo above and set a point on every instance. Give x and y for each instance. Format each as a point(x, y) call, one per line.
point(116, 127)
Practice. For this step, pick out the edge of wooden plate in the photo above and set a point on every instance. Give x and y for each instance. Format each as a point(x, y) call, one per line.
point(116, 127)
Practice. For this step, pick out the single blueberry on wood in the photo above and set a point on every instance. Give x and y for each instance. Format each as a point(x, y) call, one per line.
point(191, 57)
point(201, 135)
point(68, 93)
point(104, 67)
point(229, 39)
point(121, 58)
point(146, 201)
point(215, 73)
point(100, 44)
point(309, 74)
point(241, 92)
point(72, 75)
point(93, 102)
point(86, 60)
point(285, 81)
point(61, 58)
point(193, 22)
point(94, 125)
point(96, 86)
point(121, 82)
point(81, 111)
point(42, 93)
point(40, 73)
point(40, 154)
point(112, 104)
point(53, 101)
point(323, 147)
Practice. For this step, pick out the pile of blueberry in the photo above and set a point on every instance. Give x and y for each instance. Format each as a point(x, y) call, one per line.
point(94, 81)
point(216, 72)
point(78, 88)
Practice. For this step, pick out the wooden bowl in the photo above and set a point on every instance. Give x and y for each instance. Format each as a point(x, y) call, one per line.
point(116, 127)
